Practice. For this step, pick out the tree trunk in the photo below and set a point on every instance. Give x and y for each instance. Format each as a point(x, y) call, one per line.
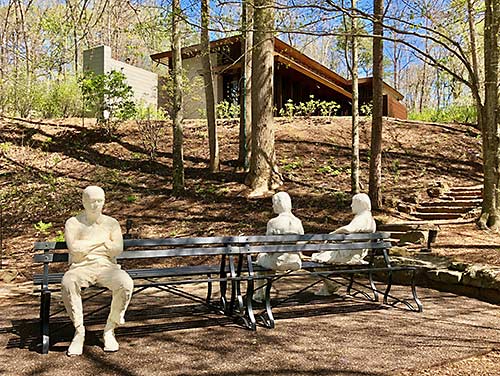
point(263, 170)
point(177, 152)
point(490, 216)
point(355, 103)
point(214, 164)
point(378, 103)
point(245, 135)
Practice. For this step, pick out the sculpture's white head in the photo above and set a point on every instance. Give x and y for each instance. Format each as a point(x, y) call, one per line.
point(282, 203)
point(360, 203)
point(93, 200)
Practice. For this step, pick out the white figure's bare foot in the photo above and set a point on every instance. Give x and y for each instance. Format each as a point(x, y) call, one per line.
point(327, 289)
point(76, 346)
point(110, 342)
point(259, 296)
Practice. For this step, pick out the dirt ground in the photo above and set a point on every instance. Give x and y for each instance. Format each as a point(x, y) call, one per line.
point(45, 164)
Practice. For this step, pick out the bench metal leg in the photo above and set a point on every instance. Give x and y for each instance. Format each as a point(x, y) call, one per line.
point(420, 307)
point(44, 320)
point(388, 288)
point(223, 284)
point(268, 318)
point(252, 323)
point(209, 290)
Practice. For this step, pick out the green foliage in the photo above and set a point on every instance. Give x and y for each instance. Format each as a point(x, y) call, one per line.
point(59, 237)
point(108, 98)
point(329, 168)
point(43, 227)
point(450, 114)
point(290, 166)
point(5, 146)
point(47, 98)
point(309, 108)
point(131, 199)
point(366, 109)
point(62, 99)
point(227, 110)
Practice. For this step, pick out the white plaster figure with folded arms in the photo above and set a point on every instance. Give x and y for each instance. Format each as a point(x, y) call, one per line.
point(362, 222)
point(285, 223)
point(94, 240)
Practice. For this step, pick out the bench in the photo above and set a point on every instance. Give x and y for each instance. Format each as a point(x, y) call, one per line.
point(378, 266)
point(229, 262)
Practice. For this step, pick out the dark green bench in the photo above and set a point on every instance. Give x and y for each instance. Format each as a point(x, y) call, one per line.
point(229, 262)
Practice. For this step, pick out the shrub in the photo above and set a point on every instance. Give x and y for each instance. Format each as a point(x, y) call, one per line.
point(108, 98)
point(450, 114)
point(227, 110)
point(309, 108)
point(151, 129)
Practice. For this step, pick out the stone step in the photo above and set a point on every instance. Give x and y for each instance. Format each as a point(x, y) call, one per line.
point(462, 203)
point(435, 216)
point(443, 209)
point(461, 198)
point(477, 188)
point(463, 193)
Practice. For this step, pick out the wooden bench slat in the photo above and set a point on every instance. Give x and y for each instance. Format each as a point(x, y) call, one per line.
point(229, 250)
point(174, 242)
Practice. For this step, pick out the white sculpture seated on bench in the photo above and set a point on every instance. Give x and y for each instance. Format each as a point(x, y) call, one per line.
point(362, 222)
point(94, 240)
point(284, 223)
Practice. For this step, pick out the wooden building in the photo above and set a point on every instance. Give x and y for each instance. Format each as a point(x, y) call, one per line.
point(296, 77)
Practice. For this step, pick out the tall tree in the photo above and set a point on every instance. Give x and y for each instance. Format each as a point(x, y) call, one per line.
point(490, 216)
point(177, 117)
point(214, 164)
point(355, 102)
point(263, 173)
point(245, 135)
point(378, 103)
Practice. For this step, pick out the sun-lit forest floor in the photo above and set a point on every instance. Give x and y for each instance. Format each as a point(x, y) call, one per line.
point(45, 165)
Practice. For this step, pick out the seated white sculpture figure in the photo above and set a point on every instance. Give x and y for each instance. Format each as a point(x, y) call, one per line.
point(284, 223)
point(362, 222)
point(94, 240)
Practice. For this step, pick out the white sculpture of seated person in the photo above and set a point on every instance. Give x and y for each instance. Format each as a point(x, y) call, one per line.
point(284, 223)
point(94, 240)
point(362, 222)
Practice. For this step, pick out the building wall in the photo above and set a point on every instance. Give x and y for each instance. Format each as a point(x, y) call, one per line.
point(144, 83)
point(194, 95)
point(396, 109)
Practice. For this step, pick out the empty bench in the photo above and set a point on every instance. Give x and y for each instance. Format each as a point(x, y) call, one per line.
point(229, 263)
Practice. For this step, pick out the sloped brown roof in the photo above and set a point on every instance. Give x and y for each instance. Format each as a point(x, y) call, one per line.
point(289, 56)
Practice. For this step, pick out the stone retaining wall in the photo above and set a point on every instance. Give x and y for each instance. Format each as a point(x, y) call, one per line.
point(473, 280)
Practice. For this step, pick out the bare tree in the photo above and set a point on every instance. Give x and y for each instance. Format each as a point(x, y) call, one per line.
point(214, 164)
point(355, 103)
point(490, 216)
point(378, 103)
point(245, 135)
point(263, 172)
point(177, 117)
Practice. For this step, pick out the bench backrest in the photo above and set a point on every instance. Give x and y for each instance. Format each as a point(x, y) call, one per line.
point(227, 245)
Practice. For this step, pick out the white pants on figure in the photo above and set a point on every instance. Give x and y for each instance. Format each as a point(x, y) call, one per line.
point(285, 223)
point(362, 222)
point(102, 273)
